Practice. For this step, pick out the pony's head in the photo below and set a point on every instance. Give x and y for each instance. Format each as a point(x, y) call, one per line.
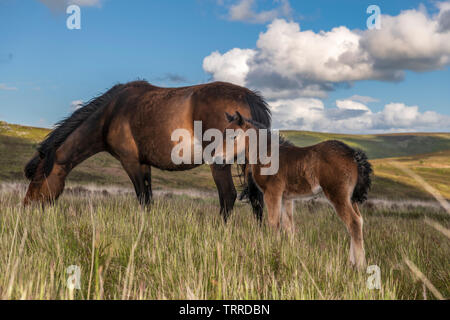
point(46, 174)
point(46, 179)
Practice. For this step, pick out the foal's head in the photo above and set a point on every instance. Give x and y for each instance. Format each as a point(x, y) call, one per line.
point(243, 134)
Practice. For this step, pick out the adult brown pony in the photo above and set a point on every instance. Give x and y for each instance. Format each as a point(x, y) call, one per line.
point(134, 123)
point(340, 171)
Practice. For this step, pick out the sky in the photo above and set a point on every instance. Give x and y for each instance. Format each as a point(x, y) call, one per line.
point(316, 62)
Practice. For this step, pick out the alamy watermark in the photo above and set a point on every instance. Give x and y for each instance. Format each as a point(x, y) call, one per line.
point(374, 20)
point(74, 20)
point(374, 280)
point(74, 279)
point(239, 145)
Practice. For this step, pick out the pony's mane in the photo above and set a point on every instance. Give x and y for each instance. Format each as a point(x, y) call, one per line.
point(259, 108)
point(65, 127)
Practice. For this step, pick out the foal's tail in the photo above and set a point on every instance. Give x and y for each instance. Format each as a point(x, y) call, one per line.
point(364, 177)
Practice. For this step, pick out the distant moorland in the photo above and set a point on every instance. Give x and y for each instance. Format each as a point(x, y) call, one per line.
point(427, 154)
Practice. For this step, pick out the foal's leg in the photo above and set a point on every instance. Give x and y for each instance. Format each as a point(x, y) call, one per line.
point(287, 220)
point(358, 247)
point(353, 221)
point(225, 186)
point(273, 200)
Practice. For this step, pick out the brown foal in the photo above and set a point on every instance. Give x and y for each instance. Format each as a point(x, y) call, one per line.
point(342, 173)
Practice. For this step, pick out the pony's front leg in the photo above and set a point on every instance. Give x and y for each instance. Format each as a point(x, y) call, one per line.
point(273, 200)
point(255, 196)
point(137, 177)
point(225, 187)
point(147, 175)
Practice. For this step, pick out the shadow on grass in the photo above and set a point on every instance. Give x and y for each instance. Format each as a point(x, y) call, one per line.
point(409, 213)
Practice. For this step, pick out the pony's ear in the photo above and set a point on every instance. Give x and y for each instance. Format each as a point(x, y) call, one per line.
point(229, 117)
point(239, 118)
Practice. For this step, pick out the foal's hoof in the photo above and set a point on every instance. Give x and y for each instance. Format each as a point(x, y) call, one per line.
point(360, 266)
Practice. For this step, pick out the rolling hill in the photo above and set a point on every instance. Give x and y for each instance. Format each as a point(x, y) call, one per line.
point(379, 146)
point(427, 154)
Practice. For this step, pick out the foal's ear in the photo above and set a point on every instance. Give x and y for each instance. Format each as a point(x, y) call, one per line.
point(239, 118)
point(229, 117)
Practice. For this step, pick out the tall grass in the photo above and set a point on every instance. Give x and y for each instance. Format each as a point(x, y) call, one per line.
point(181, 249)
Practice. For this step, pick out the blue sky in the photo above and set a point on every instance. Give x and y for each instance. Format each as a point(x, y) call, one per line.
point(44, 67)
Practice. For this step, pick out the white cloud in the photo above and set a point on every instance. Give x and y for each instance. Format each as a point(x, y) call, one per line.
point(350, 105)
point(231, 66)
point(411, 41)
point(294, 68)
point(289, 62)
point(363, 99)
point(402, 116)
point(76, 104)
point(7, 88)
point(244, 11)
point(354, 117)
point(300, 113)
point(444, 16)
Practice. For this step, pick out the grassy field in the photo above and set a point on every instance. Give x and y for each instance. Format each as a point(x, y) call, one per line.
point(181, 249)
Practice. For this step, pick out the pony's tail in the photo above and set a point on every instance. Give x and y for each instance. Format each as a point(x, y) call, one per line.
point(364, 177)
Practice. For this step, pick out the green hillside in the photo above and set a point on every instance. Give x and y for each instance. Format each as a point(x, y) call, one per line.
point(379, 146)
point(427, 154)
